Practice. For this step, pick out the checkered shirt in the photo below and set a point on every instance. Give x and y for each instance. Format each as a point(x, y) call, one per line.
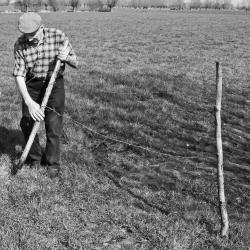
point(39, 61)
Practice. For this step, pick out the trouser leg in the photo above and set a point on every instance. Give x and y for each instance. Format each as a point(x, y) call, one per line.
point(35, 152)
point(27, 123)
point(54, 123)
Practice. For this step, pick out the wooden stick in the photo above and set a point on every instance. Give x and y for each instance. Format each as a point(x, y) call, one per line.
point(35, 128)
point(222, 199)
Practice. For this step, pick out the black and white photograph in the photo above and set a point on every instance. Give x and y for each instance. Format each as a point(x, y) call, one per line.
point(125, 125)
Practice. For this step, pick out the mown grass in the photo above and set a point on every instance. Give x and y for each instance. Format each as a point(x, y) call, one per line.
point(147, 78)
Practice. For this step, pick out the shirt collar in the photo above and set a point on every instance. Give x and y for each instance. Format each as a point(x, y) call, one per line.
point(45, 35)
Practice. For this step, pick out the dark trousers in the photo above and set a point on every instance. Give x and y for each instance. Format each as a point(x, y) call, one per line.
point(53, 121)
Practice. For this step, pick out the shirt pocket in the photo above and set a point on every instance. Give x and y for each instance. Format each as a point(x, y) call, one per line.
point(50, 50)
point(30, 57)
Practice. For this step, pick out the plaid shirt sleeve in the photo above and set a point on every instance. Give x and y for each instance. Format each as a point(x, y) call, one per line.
point(19, 66)
point(72, 54)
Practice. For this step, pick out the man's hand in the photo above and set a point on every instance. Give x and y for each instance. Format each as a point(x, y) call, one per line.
point(35, 111)
point(34, 108)
point(63, 54)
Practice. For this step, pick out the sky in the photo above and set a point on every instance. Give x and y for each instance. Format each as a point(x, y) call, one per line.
point(234, 2)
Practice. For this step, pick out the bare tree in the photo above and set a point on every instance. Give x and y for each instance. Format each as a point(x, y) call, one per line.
point(244, 5)
point(74, 4)
point(217, 4)
point(207, 4)
point(53, 4)
point(46, 6)
point(226, 4)
point(195, 4)
point(111, 4)
point(22, 5)
point(134, 3)
point(95, 4)
point(177, 5)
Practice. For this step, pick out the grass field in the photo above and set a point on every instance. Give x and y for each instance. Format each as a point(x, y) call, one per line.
point(147, 78)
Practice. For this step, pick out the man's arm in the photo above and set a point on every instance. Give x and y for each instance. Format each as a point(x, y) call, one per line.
point(34, 108)
point(67, 56)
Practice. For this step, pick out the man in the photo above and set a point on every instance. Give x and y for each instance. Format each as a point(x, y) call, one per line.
point(35, 53)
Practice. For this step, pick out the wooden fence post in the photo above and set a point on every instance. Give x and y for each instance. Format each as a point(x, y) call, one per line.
point(222, 199)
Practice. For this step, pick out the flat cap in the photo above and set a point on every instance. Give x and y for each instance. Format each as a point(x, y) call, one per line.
point(29, 22)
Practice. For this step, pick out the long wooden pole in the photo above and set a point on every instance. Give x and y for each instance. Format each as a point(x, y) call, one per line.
point(222, 199)
point(35, 128)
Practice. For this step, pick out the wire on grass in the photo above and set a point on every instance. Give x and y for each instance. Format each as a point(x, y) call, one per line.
point(121, 141)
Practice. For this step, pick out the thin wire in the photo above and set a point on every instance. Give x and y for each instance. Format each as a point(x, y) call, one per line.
point(30, 79)
point(117, 140)
point(127, 93)
point(121, 141)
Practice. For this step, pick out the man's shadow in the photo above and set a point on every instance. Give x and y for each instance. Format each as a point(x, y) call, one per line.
point(11, 142)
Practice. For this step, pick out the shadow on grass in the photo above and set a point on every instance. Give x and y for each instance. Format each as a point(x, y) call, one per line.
point(156, 183)
point(138, 197)
point(9, 140)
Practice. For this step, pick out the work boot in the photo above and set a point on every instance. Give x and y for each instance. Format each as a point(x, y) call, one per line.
point(43, 161)
point(53, 171)
point(35, 165)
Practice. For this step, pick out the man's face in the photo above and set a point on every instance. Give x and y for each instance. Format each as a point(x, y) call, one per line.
point(34, 36)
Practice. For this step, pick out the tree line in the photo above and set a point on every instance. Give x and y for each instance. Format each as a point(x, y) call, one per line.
point(107, 5)
point(54, 5)
point(182, 4)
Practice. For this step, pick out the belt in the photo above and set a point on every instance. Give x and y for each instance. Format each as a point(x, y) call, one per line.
point(42, 79)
